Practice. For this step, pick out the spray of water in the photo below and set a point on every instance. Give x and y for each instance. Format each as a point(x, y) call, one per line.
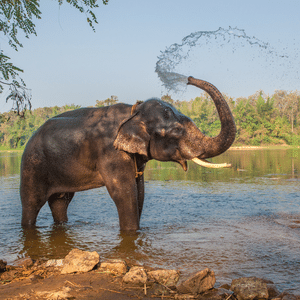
point(169, 61)
point(172, 81)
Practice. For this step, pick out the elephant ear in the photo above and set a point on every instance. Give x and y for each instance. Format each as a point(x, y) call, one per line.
point(133, 137)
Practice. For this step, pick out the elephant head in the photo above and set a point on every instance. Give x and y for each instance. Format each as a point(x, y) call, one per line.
point(156, 130)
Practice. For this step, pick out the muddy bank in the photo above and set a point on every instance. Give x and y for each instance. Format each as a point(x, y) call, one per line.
point(82, 275)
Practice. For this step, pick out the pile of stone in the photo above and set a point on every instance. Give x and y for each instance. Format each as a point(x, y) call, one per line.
point(170, 283)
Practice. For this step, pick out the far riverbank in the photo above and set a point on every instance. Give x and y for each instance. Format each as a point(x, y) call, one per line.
point(270, 147)
point(241, 147)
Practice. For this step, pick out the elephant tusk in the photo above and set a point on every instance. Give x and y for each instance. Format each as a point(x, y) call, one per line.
point(205, 163)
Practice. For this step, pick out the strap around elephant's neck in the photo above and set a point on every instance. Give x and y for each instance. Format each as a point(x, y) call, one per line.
point(137, 173)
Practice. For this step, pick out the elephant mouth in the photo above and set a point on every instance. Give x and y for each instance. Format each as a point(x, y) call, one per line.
point(207, 164)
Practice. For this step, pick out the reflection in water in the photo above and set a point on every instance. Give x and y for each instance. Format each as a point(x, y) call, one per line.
point(246, 164)
point(10, 162)
point(131, 247)
point(238, 223)
point(127, 243)
point(58, 242)
point(55, 243)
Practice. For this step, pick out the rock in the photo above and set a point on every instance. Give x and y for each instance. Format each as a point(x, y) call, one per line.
point(249, 288)
point(10, 267)
point(3, 264)
point(272, 290)
point(198, 283)
point(25, 262)
point(136, 275)
point(39, 262)
point(8, 276)
point(80, 261)
point(286, 295)
point(215, 294)
point(168, 278)
point(114, 266)
point(54, 263)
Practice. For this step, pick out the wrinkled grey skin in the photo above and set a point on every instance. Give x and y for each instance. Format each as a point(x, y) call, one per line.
point(92, 147)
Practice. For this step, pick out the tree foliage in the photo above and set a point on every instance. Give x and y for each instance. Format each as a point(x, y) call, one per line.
point(260, 119)
point(18, 16)
point(109, 101)
point(16, 131)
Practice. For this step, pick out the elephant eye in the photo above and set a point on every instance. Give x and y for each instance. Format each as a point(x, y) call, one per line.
point(177, 130)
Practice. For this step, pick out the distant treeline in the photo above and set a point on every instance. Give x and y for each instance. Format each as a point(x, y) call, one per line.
point(260, 119)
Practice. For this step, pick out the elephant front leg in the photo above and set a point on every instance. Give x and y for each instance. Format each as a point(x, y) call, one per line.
point(124, 192)
point(59, 205)
point(141, 193)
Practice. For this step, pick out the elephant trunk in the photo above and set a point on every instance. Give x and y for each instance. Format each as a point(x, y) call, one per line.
point(214, 146)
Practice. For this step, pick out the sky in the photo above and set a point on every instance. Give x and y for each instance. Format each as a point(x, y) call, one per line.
point(68, 63)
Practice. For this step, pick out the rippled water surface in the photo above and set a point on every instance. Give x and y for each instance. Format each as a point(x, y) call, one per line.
point(243, 221)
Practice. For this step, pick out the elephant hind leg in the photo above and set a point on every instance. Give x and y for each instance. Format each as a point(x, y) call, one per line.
point(29, 215)
point(59, 205)
point(31, 206)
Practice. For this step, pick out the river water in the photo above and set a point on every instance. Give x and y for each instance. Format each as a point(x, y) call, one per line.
point(243, 221)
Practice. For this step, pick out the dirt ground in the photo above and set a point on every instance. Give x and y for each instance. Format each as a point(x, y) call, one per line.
point(48, 283)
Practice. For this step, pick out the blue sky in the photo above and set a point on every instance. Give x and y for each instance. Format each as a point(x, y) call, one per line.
point(68, 63)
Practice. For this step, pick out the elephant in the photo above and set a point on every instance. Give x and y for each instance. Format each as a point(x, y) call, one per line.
point(109, 146)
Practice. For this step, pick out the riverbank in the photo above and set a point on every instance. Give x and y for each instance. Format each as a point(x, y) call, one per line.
point(265, 147)
point(50, 284)
point(241, 147)
point(82, 275)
